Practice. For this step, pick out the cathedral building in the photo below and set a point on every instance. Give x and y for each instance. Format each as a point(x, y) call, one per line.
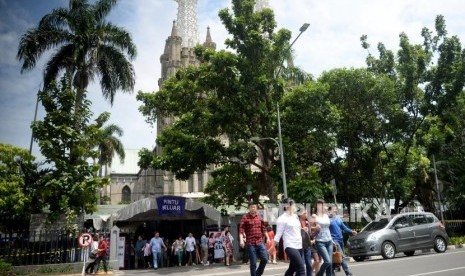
point(129, 185)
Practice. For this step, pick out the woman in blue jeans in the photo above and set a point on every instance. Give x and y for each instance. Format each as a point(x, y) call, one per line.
point(288, 226)
point(324, 241)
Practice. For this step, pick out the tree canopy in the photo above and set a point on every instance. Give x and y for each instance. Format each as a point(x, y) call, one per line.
point(72, 186)
point(221, 104)
point(87, 46)
point(372, 131)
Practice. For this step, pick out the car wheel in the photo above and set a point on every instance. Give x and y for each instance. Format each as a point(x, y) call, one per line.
point(409, 253)
point(359, 258)
point(440, 245)
point(388, 250)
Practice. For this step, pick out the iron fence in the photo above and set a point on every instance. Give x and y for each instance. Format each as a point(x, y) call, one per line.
point(42, 247)
point(455, 228)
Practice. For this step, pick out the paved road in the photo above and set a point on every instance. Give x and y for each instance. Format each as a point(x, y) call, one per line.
point(450, 263)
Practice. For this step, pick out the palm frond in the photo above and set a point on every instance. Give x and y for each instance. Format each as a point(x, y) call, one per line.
point(115, 71)
point(113, 129)
point(103, 8)
point(59, 61)
point(119, 38)
point(38, 40)
point(58, 18)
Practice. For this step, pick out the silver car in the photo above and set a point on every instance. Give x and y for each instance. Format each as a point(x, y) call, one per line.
point(405, 233)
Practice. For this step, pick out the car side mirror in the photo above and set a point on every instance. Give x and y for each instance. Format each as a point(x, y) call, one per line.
point(399, 225)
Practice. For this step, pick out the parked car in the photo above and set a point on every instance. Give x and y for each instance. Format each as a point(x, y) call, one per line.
point(405, 233)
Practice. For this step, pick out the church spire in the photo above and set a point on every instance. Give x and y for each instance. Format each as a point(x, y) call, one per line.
point(208, 41)
point(174, 30)
point(209, 37)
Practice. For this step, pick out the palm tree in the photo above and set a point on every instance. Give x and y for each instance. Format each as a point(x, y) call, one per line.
point(87, 46)
point(108, 143)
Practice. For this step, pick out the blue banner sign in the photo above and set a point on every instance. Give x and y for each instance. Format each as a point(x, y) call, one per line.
point(171, 205)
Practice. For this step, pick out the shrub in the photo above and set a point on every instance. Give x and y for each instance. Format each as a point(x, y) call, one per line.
point(457, 240)
point(5, 269)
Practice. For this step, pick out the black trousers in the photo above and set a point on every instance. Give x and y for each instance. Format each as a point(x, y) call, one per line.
point(296, 264)
point(90, 267)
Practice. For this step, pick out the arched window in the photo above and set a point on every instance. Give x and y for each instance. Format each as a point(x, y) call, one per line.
point(126, 195)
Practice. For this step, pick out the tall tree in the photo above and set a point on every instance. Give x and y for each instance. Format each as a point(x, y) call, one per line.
point(87, 46)
point(428, 91)
point(72, 185)
point(230, 97)
point(365, 105)
point(309, 119)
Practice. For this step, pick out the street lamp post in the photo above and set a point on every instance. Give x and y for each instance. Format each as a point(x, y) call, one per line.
point(35, 118)
point(280, 139)
point(437, 189)
point(281, 153)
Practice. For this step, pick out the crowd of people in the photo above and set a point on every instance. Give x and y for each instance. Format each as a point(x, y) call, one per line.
point(307, 241)
point(156, 252)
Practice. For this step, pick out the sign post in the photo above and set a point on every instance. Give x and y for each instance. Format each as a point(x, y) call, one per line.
point(84, 240)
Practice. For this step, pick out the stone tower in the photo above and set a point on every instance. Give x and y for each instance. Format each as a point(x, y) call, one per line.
point(178, 54)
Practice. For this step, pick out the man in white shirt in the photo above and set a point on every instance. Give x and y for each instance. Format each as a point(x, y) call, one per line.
point(190, 249)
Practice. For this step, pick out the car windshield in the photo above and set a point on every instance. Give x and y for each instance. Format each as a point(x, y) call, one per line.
point(376, 225)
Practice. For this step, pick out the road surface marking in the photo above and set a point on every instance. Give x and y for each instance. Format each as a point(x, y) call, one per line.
point(438, 271)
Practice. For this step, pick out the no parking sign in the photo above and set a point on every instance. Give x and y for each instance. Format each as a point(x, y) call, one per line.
point(85, 239)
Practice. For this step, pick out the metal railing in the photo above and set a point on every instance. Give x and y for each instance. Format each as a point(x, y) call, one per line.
point(455, 228)
point(41, 247)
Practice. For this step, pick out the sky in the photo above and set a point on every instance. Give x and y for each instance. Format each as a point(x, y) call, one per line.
point(331, 41)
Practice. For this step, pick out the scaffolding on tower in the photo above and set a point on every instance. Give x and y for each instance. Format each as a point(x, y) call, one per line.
point(187, 22)
point(262, 4)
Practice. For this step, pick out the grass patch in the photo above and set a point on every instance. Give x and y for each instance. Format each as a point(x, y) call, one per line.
point(46, 270)
point(457, 240)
